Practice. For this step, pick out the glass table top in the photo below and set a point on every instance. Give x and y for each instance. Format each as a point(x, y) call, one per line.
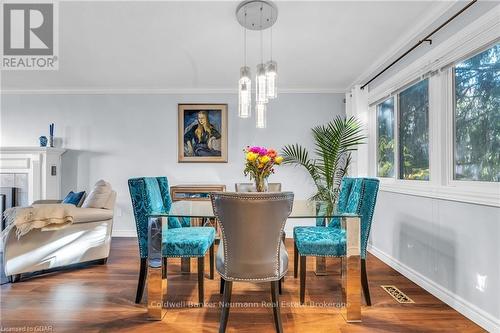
point(203, 209)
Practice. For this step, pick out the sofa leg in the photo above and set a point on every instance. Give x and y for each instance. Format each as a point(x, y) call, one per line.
point(103, 261)
point(15, 278)
point(142, 281)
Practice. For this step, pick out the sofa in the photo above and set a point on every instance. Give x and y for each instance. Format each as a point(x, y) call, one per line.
point(87, 239)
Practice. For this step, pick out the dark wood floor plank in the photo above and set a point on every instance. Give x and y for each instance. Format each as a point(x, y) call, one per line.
point(100, 298)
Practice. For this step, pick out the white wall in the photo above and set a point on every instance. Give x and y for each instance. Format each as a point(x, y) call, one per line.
point(116, 137)
point(449, 248)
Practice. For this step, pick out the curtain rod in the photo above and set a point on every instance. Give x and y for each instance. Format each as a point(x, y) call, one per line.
point(425, 39)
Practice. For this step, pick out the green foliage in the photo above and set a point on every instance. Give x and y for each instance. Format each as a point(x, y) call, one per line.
point(385, 154)
point(477, 117)
point(334, 143)
point(414, 132)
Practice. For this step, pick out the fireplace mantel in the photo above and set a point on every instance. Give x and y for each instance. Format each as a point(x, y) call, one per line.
point(41, 164)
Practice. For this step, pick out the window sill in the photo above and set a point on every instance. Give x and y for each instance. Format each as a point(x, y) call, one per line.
point(486, 197)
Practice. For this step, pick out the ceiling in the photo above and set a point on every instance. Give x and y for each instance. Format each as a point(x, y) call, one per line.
point(319, 46)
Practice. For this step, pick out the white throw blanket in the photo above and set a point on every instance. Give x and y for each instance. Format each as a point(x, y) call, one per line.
point(44, 217)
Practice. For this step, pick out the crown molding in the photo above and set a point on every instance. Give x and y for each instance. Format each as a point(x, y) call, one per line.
point(413, 34)
point(136, 91)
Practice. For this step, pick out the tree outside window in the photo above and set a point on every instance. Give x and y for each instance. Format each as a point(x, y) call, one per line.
point(385, 138)
point(413, 149)
point(477, 117)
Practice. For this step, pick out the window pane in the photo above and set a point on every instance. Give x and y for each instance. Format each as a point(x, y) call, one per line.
point(385, 138)
point(414, 132)
point(477, 117)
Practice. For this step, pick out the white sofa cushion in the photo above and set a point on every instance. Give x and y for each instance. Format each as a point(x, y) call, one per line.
point(84, 215)
point(99, 196)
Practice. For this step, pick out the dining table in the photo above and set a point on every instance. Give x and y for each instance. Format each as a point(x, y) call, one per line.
point(302, 209)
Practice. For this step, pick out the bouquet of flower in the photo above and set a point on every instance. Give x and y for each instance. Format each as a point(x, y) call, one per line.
point(260, 164)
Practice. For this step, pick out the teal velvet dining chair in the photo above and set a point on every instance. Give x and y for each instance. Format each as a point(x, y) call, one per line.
point(180, 240)
point(357, 196)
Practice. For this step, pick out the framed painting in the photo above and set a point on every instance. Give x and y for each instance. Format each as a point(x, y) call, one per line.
point(202, 133)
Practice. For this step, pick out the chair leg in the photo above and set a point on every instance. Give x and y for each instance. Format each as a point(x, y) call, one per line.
point(276, 306)
point(364, 283)
point(222, 282)
point(228, 286)
point(142, 281)
point(201, 278)
point(280, 281)
point(211, 251)
point(295, 260)
point(164, 269)
point(302, 279)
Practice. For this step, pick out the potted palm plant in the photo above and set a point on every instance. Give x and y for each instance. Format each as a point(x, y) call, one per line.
point(334, 143)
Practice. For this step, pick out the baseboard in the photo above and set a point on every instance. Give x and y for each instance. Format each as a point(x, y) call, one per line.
point(469, 310)
point(124, 233)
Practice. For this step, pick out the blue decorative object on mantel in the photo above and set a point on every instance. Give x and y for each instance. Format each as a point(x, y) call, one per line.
point(51, 136)
point(43, 141)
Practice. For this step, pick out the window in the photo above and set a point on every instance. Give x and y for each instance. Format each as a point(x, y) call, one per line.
point(413, 134)
point(477, 117)
point(385, 138)
point(413, 105)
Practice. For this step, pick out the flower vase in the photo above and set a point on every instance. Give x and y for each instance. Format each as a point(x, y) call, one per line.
point(261, 184)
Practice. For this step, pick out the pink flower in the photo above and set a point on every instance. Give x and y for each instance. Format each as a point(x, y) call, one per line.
point(255, 149)
point(258, 150)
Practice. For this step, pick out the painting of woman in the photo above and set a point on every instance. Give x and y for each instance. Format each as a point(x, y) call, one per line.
point(203, 133)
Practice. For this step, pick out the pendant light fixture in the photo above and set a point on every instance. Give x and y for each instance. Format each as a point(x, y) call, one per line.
point(260, 77)
point(257, 15)
point(271, 72)
point(245, 83)
point(260, 115)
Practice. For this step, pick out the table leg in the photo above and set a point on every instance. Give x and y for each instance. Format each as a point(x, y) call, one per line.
point(351, 275)
point(185, 265)
point(156, 282)
point(320, 266)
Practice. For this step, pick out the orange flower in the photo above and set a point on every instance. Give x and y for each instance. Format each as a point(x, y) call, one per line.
point(271, 153)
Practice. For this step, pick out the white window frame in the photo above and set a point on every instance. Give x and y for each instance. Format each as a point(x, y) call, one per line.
point(441, 184)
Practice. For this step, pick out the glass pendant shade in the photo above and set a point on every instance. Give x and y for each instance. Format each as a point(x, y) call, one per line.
point(244, 93)
point(260, 81)
point(260, 115)
point(271, 77)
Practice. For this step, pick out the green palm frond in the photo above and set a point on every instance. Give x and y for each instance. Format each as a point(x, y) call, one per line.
point(334, 143)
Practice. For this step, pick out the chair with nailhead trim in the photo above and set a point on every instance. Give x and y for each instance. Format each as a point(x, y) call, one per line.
point(151, 195)
point(251, 249)
point(357, 196)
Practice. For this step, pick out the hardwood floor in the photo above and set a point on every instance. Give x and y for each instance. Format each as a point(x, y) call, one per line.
point(100, 298)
